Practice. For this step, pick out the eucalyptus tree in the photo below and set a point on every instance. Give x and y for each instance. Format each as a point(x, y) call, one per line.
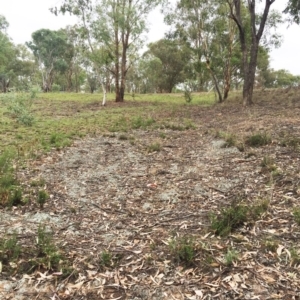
point(49, 47)
point(168, 59)
point(117, 25)
point(204, 26)
point(7, 55)
point(293, 9)
point(251, 28)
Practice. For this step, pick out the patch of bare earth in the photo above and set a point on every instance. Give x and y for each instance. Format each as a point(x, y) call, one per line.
point(114, 196)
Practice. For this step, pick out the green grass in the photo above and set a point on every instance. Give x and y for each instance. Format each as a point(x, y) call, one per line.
point(62, 117)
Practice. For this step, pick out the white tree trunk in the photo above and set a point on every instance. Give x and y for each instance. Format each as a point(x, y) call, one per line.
point(104, 93)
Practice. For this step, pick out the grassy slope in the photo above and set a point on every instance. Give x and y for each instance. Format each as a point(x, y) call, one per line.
point(61, 117)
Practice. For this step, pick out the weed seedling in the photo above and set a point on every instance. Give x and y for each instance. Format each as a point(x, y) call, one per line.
point(296, 214)
point(105, 259)
point(258, 140)
point(183, 250)
point(230, 257)
point(42, 197)
point(155, 147)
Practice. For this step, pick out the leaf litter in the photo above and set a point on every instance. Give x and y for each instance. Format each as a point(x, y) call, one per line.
point(115, 207)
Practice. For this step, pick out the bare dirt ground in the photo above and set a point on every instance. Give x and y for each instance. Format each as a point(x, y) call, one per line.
point(114, 196)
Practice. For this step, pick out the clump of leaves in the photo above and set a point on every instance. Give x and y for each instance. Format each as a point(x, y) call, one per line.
point(235, 216)
point(155, 147)
point(258, 140)
point(42, 197)
point(296, 214)
point(183, 250)
point(230, 257)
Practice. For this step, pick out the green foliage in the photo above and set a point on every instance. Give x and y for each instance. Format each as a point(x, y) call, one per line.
point(235, 216)
point(42, 197)
point(10, 193)
point(155, 147)
point(271, 245)
point(268, 164)
point(230, 257)
point(19, 104)
point(140, 122)
point(295, 257)
point(183, 250)
point(258, 140)
point(106, 259)
point(55, 87)
point(9, 249)
point(230, 139)
point(59, 140)
point(15, 197)
point(47, 253)
point(296, 214)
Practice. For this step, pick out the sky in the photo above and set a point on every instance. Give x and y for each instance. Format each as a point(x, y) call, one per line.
point(25, 17)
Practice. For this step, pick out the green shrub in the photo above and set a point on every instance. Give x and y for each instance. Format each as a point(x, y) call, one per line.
point(140, 122)
point(19, 104)
point(47, 253)
point(42, 197)
point(235, 216)
point(9, 249)
point(155, 147)
point(183, 250)
point(230, 257)
point(258, 140)
point(296, 214)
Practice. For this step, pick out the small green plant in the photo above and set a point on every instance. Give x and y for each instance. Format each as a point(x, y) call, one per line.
point(258, 140)
point(9, 249)
point(271, 245)
point(47, 251)
point(106, 259)
point(10, 193)
point(230, 139)
point(59, 140)
point(162, 135)
point(42, 197)
point(229, 219)
point(268, 164)
point(123, 137)
point(187, 94)
point(183, 250)
point(38, 182)
point(139, 122)
point(235, 216)
point(155, 147)
point(19, 104)
point(296, 214)
point(230, 257)
point(295, 257)
point(15, 197)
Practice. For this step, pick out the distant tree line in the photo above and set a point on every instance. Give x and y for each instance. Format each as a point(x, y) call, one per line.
point(219, 45)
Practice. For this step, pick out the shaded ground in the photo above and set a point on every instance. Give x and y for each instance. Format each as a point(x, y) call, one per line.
point(113, 195)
